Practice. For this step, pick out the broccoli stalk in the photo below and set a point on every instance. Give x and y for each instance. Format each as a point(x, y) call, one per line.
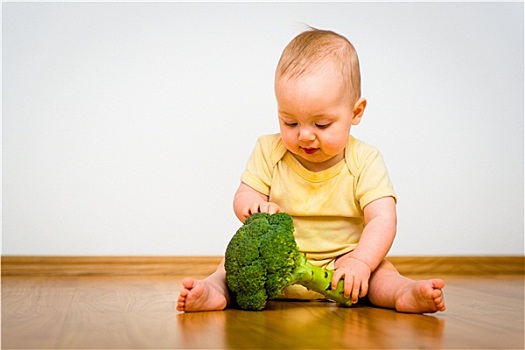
point(319, 280)
point(262, 259)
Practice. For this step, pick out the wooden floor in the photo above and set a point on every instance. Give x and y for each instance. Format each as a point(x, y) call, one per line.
point(139, 313)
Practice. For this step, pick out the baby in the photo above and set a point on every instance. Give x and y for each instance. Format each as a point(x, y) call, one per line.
point(334, 186)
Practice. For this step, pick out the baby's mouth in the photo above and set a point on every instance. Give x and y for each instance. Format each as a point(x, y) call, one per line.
point(310, 150)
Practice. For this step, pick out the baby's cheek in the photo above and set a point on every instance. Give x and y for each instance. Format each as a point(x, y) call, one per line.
point(288, 142)
point(333, 148)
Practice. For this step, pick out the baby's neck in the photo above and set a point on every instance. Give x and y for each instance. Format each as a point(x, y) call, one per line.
point(318, 167)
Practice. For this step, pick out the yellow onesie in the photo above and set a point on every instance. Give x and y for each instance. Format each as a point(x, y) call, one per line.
point(326, 206)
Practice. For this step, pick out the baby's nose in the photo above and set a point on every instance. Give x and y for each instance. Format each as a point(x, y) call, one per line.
point(306, 134)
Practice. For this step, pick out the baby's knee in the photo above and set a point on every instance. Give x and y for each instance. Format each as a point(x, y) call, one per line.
point(386, 265)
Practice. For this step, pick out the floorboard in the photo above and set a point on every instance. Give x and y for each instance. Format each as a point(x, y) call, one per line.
point(138, 312)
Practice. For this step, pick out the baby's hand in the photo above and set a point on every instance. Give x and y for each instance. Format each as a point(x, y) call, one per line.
point(355, 273)
point(261, 207)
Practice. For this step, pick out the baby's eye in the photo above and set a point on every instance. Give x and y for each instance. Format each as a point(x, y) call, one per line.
point(291, 124)
point(323, 126)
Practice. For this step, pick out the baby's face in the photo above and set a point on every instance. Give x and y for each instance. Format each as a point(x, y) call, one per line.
point(315, 116)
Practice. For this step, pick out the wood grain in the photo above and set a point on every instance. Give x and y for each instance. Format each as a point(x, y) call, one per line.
point(460, 265)
point(138, 312)
point(204, 265)
point(108, 265)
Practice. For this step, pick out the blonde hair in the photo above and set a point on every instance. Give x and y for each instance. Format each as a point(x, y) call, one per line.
point(314, 47)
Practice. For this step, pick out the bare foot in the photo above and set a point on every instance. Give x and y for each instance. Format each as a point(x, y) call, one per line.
point(421, 297)
point(200, 296)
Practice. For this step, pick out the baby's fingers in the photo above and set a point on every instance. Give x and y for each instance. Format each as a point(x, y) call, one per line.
point(364, 289)
point(253, 208)
point(349, 286)
point(273, 208)
point(356, 291)
point(264, 207)
point(336, 278)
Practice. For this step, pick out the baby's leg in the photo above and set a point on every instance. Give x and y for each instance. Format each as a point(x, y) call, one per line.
point(391, 290)
point(207, 295)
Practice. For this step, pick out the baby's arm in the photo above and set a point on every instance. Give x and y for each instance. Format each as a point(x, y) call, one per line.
point(248, 201)
point(375, 242)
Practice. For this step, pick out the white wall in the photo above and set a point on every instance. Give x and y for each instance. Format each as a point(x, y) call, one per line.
point(126, 126)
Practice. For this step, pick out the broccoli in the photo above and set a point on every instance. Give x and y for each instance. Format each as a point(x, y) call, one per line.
point(262, 259)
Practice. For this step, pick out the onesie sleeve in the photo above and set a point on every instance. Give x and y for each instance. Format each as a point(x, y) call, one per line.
point(372, 181)
point(259, 169)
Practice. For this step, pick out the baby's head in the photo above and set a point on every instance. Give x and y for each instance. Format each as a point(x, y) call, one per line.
point(318, 93)
point(316, 48)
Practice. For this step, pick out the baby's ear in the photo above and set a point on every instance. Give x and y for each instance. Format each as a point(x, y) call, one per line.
point(359, 110)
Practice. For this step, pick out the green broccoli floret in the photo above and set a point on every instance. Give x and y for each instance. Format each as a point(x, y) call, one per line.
point(262, 259)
